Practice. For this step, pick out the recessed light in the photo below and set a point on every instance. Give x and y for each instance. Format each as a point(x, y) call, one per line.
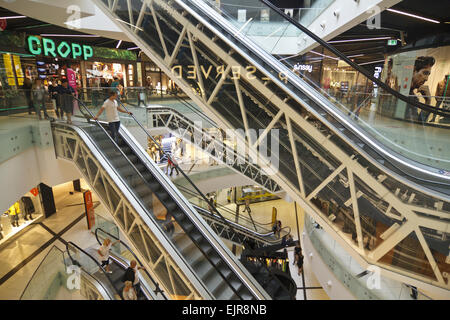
point(413, 15)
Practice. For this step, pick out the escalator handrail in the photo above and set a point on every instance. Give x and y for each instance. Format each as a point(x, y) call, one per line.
point(353, 64)
point(173, 163)
point(156, 284)
point(70, 243)
point(219, 206)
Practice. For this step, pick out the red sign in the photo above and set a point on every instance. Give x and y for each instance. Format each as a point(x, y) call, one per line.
point(89, 209)
point(34, 192)
point(3, 24)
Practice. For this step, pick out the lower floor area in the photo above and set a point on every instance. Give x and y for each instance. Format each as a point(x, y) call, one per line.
point(24, 254)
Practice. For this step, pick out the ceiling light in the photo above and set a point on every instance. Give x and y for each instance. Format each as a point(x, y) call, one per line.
point(133, 48)
point(324, 55)
point(69, 35)
point(14, 17)
point(356, 40)
point(413, 15)
point(355, 55)
point(118, 44)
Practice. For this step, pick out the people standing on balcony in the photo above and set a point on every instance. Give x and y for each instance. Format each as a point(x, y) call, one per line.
point(28, 86)
point(66, 94)
point(39, 98)
point(421, 73)
point(112, 116)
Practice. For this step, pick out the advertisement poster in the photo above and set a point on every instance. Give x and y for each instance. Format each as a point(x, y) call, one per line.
point(89, 209)
point(19, 71)
point(9, 69)
point(422, 74)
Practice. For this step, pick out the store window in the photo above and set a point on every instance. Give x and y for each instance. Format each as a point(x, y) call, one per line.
point(95, 71)
point(253, 194)
point(20, 215)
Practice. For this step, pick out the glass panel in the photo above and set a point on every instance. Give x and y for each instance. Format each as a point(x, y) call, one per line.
point(387, 117)
point(48, 279)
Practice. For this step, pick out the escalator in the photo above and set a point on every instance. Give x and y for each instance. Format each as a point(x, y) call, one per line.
point(360, 185)
point(109, 284)
point(188, 261)
point(149, 287)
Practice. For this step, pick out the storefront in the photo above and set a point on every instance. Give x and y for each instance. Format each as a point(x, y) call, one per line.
point(50, 60)
point(155, 79)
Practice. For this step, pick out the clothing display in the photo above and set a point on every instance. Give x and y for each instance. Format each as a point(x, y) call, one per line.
point(13, 213)
point(28, 207)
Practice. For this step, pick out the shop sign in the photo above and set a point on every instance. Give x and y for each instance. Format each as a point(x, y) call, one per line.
point(89, 209)
point(392, 42)
point(303, 67)
point(34, 191)
point(3, 24)
point(49, 48)
point(9, 69)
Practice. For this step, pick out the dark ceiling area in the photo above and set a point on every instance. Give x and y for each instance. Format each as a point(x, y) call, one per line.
point(394, 25)
point(397, 26)
point(37, 27)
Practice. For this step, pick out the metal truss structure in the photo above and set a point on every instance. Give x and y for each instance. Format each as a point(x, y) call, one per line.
point(146, 243)
point(184, 128)
point(322, 164)
point(239, 234)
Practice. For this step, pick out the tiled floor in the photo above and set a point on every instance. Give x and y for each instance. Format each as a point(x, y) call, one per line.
point(21, 257)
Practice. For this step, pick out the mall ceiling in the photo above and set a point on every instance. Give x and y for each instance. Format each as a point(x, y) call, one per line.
point(37, 27)
point(395, 25)
point(392, 25)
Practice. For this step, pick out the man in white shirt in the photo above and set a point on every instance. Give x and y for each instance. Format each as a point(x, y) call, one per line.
point(112, 116)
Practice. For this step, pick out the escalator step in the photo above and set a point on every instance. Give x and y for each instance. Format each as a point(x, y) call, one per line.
point(223, 291)
point(171, 205)
point(143, 190)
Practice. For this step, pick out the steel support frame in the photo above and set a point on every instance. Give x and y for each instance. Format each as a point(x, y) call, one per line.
point(383, 193)
point(185, 129)
point(131, 218)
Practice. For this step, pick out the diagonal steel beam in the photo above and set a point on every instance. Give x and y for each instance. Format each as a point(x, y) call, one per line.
point(355, 208)
point(325, 182)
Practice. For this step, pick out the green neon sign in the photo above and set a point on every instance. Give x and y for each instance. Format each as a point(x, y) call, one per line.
point(48, 48)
